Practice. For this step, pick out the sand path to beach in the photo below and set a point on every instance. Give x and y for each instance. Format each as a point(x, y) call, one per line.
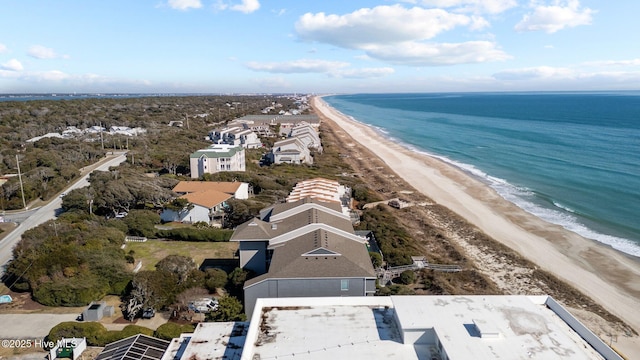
point(607, 276)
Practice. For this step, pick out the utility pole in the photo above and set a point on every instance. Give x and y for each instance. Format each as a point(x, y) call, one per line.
point(24, 203)
point(101, 138)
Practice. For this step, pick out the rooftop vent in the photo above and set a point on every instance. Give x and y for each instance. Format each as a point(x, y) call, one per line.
point(486, 330)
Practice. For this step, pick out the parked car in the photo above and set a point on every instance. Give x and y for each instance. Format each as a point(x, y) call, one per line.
point(148, 313)
point(204, 305)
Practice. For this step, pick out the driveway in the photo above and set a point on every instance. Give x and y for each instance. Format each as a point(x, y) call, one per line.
point(30, 326)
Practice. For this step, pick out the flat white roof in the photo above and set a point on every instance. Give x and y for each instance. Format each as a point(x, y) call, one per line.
point(210, 340)
point(412, 327)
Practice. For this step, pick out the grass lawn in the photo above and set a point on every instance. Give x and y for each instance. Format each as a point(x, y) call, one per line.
point(152, 251)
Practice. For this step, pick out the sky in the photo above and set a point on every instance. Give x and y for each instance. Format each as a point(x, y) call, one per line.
point(314, 46)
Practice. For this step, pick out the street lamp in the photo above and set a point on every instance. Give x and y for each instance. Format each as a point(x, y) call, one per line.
point(24, 203)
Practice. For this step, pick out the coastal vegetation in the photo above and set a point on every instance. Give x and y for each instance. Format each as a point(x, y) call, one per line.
point(47, 165)
point(77, 258)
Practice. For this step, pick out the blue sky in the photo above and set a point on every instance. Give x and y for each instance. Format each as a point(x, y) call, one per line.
point(346, 46)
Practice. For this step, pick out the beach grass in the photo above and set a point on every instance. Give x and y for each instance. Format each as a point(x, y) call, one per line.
point(152, 251)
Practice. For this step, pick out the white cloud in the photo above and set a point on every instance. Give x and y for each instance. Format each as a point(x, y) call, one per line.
point(364, 73)
point(247, 6)
point(3, 48)
point(552, 18)
point(378, 25)
point(476, 6)
point(425, 54)
point(12, 65)
point(185, 4)
point(567, 78)
point(397, 35)
point(272, 84)
point(532, 73)
point(632, 62)
point(41, 52)
point(298, 66)
point(336, 69)
point(479, 23)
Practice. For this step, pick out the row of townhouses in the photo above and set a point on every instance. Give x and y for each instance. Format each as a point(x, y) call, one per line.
point(229, 143)
point(296, 149)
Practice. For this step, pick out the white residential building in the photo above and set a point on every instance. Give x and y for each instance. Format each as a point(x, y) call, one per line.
point(308, 135)
point(439, 327)
point(290, 151)
point(236, 136)
point(323, 190)
point(217, 158)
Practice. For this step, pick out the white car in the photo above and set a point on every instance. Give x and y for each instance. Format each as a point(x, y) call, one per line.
point(204, 305)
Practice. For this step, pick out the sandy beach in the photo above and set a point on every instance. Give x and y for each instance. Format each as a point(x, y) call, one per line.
point(609, 277)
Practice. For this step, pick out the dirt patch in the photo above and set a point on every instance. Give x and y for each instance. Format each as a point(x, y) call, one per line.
point(6, 228)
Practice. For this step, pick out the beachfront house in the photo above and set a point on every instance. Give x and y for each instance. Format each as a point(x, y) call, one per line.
point(308, 135)
point(303, 248)
point(290, 151)
point(217, 158)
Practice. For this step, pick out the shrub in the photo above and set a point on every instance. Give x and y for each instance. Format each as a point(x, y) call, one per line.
point(96, 333)
point(229, 309)
point(407, 277)
point(169, 331)
point(193, 234)
point(395, 289)
point(93, 331)
point(396, 244)
point(215, 278)
point(376, 259)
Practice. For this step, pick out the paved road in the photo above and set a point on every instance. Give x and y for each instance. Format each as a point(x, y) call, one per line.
point(46, 213)
point(30, 326)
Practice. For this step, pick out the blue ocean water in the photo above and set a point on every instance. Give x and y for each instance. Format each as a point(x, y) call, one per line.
point(572, 159)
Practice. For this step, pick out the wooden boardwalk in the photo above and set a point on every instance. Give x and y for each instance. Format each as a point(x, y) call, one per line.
point(386, 275)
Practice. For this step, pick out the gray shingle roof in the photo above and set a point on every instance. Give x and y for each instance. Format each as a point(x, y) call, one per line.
point(261, 230)
point(292, 258)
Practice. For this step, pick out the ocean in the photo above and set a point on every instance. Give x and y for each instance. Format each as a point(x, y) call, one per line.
point(572, 159)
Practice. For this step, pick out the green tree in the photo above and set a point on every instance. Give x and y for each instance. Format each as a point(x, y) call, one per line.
point(376, 259)
point(407, 277)
point(229, 309)
point(237, 277)
point(142, 222)
point(180, 266)
point(215, 278)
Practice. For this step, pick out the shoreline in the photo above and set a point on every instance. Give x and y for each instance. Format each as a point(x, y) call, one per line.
point(597, 270)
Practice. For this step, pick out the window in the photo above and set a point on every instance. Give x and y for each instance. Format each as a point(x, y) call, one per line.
point(344, 285)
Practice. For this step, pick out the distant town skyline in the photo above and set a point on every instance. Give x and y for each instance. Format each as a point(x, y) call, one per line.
point(286, 46)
